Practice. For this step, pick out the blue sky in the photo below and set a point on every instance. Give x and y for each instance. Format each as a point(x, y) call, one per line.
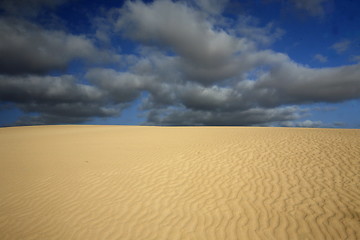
point(293, 63)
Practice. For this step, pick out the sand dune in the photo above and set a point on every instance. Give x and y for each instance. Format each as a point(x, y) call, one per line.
point(118, 182)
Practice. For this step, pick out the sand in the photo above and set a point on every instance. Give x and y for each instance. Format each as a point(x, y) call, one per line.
point(129, 182)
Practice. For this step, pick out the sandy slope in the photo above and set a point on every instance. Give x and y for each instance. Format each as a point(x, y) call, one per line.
point(117, 182)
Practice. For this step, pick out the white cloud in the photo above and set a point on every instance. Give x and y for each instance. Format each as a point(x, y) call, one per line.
point(320, 58)
point(303, 124)
point(341, 46)
point(355, 58)
point(247, 26)
point(212, 6)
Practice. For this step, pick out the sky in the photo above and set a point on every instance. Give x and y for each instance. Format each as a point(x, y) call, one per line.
point(291, 63)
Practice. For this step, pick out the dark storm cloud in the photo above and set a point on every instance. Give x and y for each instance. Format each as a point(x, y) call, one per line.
point(71, 110)
point(255, 116)
point(123, 87)
point(56, 99)
point(27, 48)
point(47, 119)
point(23, 89)
point(59, 113)
point(293, 83)
point(28, 7)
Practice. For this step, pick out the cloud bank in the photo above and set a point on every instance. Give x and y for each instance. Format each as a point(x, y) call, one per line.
point(195, 66)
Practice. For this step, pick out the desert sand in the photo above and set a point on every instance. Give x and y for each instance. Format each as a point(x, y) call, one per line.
point(137, 182)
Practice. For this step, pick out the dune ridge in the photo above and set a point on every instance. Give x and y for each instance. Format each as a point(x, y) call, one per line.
point(129, 182)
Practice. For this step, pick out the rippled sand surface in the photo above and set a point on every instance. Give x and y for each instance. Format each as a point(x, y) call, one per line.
point(118, 182)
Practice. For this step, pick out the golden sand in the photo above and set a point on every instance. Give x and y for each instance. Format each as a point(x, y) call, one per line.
point(118, 182)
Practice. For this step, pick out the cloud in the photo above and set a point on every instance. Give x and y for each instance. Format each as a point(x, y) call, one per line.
point(320, 58)
point(197, 97)
point(208, 86)
point(312, 7)
point(248, 27)
point(47, 119)
point(191, 67)
point(57, 99)
point(303, 124)
point(255, 116)
point(339, 124)
point(212, 6)
point(311, 124)
point(355, 58)
point(122, 86)
point(28, 7)
point(325, 109)
point(27, 48)
point(63, 113)
point(341, 46)
point(281, 83)
point(292, 83)
point(24, 89)
point(175, 100)
point(175, 26)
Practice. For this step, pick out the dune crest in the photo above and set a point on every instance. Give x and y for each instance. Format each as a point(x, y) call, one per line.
point(127, 182)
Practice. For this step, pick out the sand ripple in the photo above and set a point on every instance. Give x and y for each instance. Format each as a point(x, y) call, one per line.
point(108, 182)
